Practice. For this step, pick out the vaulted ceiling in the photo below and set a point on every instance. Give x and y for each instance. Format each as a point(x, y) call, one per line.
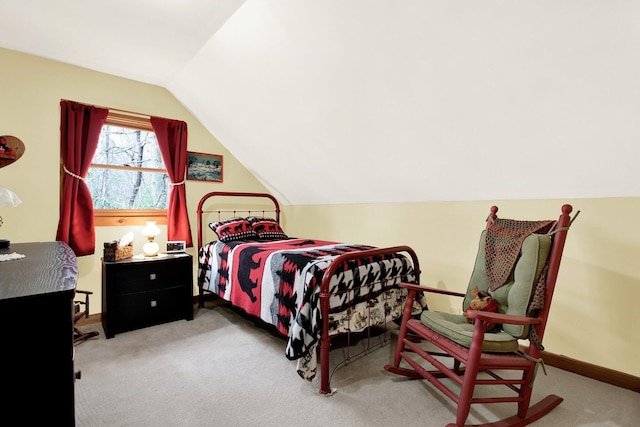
point(356, 101)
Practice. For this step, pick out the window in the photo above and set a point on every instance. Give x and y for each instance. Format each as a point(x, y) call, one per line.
point(127, 179)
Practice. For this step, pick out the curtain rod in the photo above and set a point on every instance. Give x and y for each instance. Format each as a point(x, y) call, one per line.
point(114, 110)
point(128, 113)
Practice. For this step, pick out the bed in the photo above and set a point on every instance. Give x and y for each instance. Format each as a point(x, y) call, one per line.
point(310, 290)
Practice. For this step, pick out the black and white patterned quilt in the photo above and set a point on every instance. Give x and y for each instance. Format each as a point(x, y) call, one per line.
point(279, 282)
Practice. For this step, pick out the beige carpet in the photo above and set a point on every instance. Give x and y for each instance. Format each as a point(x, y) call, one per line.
point(222, 370)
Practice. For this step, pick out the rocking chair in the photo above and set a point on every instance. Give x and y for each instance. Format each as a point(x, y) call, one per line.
point(517, 265)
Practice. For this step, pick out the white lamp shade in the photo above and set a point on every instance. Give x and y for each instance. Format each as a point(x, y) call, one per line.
point(8, 197)
point(151, 230)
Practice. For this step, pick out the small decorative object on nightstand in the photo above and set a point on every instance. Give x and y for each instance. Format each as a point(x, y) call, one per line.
point(151, 230)
point(176, 246)
point(114, 251)
point(140, 291)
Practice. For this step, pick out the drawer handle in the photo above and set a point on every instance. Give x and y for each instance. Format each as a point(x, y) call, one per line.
point(152, 276)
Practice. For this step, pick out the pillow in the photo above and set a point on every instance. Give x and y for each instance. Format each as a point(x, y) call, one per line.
point(229, 230)
point(267, 228)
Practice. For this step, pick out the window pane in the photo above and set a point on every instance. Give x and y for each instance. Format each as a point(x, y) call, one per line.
point(119, 189)
point(128, 147)
point(128, 189)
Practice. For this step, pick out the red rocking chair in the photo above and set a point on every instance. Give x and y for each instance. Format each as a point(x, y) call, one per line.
point(517, 266)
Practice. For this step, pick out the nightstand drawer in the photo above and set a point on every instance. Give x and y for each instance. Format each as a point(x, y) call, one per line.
point(149, 276)
point(152, 281)
point(150, 308)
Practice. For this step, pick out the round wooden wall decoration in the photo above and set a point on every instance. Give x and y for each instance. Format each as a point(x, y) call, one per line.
point(11, 149)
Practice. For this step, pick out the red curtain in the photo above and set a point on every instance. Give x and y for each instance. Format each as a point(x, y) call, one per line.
point(172, 140)
point(80, 127)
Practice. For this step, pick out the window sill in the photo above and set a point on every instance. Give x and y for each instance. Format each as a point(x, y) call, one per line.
point(118, 218)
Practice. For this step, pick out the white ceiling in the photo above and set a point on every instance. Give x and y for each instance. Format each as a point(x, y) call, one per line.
point(356, 101)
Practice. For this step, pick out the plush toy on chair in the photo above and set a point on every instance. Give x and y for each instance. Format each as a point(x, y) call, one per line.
point(482, 301)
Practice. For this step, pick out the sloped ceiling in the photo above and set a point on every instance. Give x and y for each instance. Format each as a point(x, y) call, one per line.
point(362, 101)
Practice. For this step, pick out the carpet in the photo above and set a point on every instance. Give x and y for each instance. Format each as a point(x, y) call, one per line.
point(221, 369)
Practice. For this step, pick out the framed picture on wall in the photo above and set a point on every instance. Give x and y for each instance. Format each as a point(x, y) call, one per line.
point(204, 167)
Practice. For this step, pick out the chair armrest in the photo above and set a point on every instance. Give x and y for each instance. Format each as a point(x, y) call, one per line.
point(85, 313)
point(487, 316)
point(420, 288)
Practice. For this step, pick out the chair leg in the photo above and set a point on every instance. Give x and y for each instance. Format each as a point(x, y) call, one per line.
point(526, 391)
point(406, 315)
point(470, 375)
point(466, 393)
point(79, 336)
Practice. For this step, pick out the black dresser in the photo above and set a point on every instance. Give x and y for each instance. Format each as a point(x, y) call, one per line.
point(36, 332)
point(139, 292)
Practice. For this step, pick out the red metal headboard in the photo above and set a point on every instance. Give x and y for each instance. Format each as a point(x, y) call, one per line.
point(275, 211)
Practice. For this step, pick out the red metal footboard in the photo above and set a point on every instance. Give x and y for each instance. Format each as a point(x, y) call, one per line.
point(325, 341)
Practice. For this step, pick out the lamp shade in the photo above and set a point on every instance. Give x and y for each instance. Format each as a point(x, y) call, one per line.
point(151, 230)
point(8, 197)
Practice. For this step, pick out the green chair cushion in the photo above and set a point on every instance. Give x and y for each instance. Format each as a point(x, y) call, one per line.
point(456, 328)
point(512, 298)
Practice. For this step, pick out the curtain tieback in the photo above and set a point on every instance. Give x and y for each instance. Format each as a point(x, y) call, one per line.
point(68, 172)
point(177, 183)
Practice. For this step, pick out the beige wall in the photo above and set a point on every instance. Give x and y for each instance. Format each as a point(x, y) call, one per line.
point(30, 110)
point(594, 310)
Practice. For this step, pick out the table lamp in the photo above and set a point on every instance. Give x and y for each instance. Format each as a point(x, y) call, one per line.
point(150, 248)
point(7, 197)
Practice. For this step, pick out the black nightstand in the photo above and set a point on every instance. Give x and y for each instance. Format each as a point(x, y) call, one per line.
point(140, 292)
